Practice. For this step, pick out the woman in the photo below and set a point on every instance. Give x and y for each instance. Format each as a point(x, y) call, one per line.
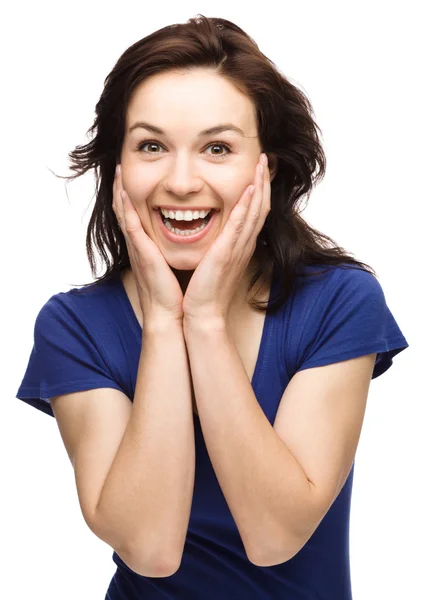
point(212, 430)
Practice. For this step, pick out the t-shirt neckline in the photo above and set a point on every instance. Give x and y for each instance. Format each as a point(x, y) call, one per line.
point(264, 341)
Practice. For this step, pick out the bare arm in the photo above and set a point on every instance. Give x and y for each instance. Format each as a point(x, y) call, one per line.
point(147, 495)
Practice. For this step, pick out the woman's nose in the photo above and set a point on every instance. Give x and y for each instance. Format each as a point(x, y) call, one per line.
point(182, 180)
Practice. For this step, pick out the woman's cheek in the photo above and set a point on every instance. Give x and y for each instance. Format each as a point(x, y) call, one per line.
point(238, 183)
point(138, 192)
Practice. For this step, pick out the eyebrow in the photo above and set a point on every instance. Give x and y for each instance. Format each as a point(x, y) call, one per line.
point(211, 131)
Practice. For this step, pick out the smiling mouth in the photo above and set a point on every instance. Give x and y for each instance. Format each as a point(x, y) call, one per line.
point(191, 208)
point(186, 225)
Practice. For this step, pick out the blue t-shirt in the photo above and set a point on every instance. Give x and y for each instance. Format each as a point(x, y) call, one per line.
point(93, 340)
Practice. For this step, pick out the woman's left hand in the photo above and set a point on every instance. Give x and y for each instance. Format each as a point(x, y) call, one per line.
point(214, 282)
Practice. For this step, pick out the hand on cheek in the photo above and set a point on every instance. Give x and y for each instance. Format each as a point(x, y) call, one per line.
point(216, 279)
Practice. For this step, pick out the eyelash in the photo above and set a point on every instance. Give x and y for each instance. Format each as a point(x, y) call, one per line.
point(219, 157)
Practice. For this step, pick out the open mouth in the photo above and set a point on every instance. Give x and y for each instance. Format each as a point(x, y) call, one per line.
point(192, 226)
point(186, 231)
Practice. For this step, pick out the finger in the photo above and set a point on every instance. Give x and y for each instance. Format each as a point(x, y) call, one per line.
point(114, 191)
point(116, 203)
point(121, 198)
point(254, 210)
point(261, 205)
point(119, 207)
point(252, 214)
point(266, 200)
point(133, 227)
point(124, 207)
point(267, 190)
point(132, 222)
point(231, 233)
point(126, 213)
point(238, 217)
point(239, 226)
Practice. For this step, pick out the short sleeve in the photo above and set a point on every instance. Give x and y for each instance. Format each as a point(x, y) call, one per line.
point(350, 318)
point(66, 356)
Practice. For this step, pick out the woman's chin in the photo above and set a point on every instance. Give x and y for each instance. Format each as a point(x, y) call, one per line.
point(180, 264)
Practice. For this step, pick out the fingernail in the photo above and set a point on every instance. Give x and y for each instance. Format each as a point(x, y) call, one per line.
point(118, 170)
point(264, 159)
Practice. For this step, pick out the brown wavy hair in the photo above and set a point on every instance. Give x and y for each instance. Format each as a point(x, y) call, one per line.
point(286, 129)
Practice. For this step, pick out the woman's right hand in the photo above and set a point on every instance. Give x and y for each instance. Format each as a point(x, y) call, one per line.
point(160, 295)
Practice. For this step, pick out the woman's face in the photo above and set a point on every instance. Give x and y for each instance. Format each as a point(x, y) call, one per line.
point(181, 169)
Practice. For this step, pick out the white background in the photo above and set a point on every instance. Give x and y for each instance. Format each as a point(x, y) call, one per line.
point(368, 69)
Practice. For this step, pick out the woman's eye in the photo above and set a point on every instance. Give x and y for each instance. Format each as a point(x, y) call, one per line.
point(142, 144)
point(219, 145)
point(213, 145)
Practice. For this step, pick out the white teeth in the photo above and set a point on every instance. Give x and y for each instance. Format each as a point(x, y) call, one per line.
point(186, 232)
point(184, 215)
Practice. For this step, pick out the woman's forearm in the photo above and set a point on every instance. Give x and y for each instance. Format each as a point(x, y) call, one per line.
point(147, 494)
